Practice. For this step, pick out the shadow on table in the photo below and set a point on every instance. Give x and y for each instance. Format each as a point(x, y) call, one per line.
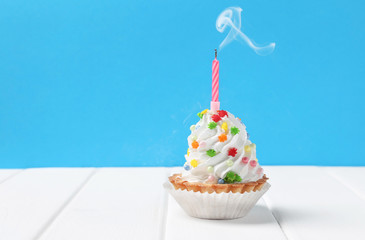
point(258, 215)
point(262, 215)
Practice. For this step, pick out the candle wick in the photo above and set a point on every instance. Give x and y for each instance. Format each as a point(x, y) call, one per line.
point(215, 53)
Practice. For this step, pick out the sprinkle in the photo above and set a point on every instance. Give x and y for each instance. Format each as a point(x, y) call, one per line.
point(192, 127)
point(256, 160)
point(194, 163)
point(216, 118)
point(247, 148)
point(232, 177)
point(222, 113)
point(197, 127)
point(211, 153)
point(220, 181)
point(225, 126)
point(195, 144)
point(244, 160)
point(211, 179)
point(186, 167)
point(210, 169)
point(222, 137)
point(234, 130)
point(212, 125)
point(204, 111)
point(229, 163)
point(200, 115)
point(253, 163)
point(188, 152)
point(253, 146)
point(232, 152)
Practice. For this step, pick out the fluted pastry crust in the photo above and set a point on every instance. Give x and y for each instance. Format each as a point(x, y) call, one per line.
point(178, 183)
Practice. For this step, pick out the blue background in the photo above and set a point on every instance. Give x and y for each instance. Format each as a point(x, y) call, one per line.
point(118, 83)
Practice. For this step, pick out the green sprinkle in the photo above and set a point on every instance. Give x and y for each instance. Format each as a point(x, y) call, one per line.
point(212, 125)
point(234, 130)
point(200, 115)
point(232, 177)
point(211, 153)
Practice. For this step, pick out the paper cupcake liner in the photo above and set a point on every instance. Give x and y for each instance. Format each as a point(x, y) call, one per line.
point(216, 205)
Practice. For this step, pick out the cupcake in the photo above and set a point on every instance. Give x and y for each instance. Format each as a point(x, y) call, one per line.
point(221, 178)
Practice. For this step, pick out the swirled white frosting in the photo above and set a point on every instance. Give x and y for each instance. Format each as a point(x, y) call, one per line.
point(237, 153)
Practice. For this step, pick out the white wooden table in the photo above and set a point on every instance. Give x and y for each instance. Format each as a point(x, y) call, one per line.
point(130, 203)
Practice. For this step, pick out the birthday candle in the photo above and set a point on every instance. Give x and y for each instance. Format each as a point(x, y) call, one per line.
point(214, 104)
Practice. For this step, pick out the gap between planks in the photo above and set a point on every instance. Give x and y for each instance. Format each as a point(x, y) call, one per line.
point(165, 206)
point(66, 203)
point(275, 217)
point(11, 176)
point(344, 182)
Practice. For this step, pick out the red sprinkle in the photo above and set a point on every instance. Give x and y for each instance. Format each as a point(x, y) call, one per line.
point(232, 152)
point(216, 118)
point(253, 163)
point(222, 113)
point(244, 160)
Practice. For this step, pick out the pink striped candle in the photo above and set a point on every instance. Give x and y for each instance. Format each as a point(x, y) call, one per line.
point(214, 104)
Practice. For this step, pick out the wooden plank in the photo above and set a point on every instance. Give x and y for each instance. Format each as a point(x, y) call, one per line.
point(117, 203)
point(258, 224)
point(32, 198)
point(351, 177)
point(310, 204)
point(6, 174)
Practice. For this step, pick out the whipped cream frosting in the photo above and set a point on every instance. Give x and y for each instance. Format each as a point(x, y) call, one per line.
point(219, 144)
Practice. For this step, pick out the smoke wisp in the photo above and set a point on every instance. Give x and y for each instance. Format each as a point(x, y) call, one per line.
point(231, 18)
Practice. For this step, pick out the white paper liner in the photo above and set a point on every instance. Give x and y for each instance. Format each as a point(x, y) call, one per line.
point(216, 206)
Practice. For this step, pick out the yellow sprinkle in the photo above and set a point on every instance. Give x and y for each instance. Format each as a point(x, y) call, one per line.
point(247, 148)
point(253, 145)
point(225, 126)
point(188, 152)
point(194, 163)
point(257, 160)
point(204, 111)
